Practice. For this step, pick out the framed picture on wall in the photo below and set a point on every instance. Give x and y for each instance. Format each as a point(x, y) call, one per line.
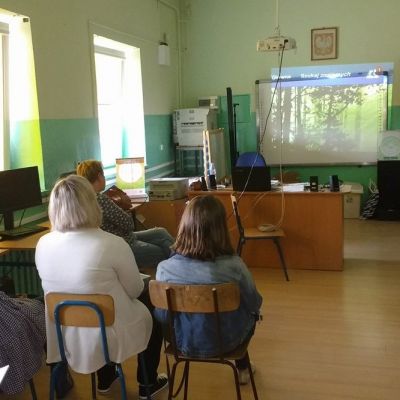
point(323, 43)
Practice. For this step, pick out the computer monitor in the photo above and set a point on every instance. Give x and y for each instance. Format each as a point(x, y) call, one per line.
point(251, 179)
point(19, 189)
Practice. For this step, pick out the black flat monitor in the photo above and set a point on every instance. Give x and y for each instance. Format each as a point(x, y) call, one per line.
point(251, 179)
point(19, 189)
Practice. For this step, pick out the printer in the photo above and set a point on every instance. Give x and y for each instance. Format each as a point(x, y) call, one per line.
point(168, 188)
point(189, 124)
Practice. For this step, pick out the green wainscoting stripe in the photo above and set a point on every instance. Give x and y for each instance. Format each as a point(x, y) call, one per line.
point(66, 142)
point(159, 144)
point(246, 132)
point(26, 146)
point(395, 117)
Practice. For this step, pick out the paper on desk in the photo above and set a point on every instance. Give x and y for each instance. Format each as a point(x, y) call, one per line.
point(3, 371)
point(293, 187)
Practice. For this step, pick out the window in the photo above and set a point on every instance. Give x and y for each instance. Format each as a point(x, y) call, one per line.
point(20, 138)
point(4, 114)
point(119, 101)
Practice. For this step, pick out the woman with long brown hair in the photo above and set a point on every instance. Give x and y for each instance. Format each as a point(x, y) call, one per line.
point(204, 255)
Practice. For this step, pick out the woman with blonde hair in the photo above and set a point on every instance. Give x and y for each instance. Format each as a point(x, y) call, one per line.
point(78, 257)
point(204, 255)
point(149, 246)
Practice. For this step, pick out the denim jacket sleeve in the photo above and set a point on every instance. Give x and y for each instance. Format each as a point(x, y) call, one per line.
point(250, 297)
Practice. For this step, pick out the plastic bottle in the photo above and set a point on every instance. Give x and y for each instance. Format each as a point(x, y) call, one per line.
point(211, 176)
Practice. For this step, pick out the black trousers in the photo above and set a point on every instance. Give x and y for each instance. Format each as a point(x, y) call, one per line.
point(150, 356)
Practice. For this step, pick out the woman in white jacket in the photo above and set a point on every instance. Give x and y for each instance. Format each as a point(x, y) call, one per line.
point(78, 257)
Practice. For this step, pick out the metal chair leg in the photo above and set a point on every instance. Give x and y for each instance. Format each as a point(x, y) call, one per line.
point(33, 390)
point(122, 382)
point(283, 264)
point(171, 382)
point(253, 384)
point(53, 374)
point(93, 381)
point(236, 376)
point(186, 373)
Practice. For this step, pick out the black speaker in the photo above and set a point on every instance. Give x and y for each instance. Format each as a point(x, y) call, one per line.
point(313, 183)
point(389, 190)
point(334, 185)
point(203, 183)
point(213, 182)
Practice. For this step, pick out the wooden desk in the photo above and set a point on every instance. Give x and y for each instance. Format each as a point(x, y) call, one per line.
point(163, 213)
point(313, 224)
point(3, 252)
point(25, 243)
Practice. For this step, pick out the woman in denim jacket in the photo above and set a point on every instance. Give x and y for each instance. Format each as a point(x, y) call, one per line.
point(204, 255)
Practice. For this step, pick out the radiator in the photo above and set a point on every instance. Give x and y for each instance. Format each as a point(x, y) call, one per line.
point(26, 278)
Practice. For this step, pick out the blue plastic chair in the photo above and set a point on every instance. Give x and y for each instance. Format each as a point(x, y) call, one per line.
point(63, 309)
point(251, 159)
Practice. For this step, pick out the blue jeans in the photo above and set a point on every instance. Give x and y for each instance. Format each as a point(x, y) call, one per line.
point(151, 247)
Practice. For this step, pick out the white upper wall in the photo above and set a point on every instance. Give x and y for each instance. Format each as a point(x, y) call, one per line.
point(62, 43)
point(220, 36)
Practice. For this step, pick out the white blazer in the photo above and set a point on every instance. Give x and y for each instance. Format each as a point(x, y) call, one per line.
point(93, 261)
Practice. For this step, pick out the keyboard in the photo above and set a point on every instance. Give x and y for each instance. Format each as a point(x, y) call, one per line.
point(21, 231)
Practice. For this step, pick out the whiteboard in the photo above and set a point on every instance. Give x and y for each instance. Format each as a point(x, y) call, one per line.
point(331, 120)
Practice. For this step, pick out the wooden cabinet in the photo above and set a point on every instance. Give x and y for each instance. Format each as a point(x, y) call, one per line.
point(163, 213)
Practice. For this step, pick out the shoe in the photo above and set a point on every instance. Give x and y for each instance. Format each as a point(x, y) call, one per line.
point(161, 384)
point(104, 385)
point(244, 374)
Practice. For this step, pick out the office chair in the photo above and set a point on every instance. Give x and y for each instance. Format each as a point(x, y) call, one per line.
point(210, 299)
point(83, 310)
point(251, 159)
point(256, 234)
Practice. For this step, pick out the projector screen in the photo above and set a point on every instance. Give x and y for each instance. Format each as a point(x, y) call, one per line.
point(323, 115)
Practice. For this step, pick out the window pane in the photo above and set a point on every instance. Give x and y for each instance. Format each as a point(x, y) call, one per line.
point(119, 100)
point(109, 96)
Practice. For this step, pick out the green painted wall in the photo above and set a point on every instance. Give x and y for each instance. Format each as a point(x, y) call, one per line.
point(66, 142)
point(159, 146)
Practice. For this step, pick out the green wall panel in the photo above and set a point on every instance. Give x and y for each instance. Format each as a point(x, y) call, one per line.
point(395, 117)
point(159, 145)
point(66, 142)
point(26, 147)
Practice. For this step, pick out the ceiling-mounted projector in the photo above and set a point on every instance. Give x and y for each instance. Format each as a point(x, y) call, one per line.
point(276, 43)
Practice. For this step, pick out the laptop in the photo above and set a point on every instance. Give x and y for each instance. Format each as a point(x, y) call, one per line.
point(259, 180)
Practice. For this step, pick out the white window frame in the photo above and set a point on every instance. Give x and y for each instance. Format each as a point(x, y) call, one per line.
point(4, 98)
point(132, 94)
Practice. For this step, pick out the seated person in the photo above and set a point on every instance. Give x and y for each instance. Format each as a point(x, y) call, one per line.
point(79, 257)
point(22, 338)
point(204, 255)
point(150, 246)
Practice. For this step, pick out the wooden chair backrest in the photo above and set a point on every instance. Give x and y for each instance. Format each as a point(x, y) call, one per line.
point(81, 316)
point(195, 298)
